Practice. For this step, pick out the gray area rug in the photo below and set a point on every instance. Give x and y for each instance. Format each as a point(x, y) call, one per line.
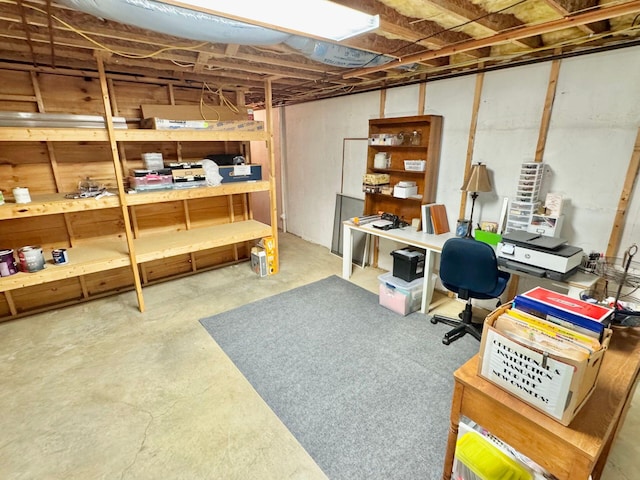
point(365, 391)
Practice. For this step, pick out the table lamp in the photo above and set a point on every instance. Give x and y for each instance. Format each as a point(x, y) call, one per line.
point(478, 181)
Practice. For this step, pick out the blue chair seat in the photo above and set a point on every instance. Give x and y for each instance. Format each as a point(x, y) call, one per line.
point(470, 269)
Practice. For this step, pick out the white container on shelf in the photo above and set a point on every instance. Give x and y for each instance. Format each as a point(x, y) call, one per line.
point(153, 161)
point(415, 165)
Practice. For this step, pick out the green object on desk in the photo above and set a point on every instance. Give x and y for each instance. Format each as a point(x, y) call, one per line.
point(487, 237)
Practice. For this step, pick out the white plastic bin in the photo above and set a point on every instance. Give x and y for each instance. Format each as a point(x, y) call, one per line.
point(153, 161)
point(399, 295)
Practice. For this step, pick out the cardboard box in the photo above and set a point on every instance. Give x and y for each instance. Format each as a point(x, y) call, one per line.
point(400, 191)
point(556, 385)
point(187, 171)
point(269, 245)
point(211, 113)
point(376, 179)
point(156, 123)
point(259, 261)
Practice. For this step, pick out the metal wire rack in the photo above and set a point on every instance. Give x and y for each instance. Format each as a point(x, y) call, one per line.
point(622, 280)
point(613, 270)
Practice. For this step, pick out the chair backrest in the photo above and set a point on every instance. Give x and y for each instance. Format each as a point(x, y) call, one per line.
point(470, 265)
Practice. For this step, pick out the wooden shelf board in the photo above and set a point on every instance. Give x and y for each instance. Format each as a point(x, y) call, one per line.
point(89, 258)
point(398, 170)
point(399, 147)
point(165, 245)
point(18, 134)
point(21, 134)
point(54, 203)
point(143, 198)
point(143, 135)
point(382, 195)
point(417, 119)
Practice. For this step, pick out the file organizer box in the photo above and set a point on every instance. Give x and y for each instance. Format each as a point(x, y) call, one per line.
point(526, 201)
point(143, 180)
point(400, 296)
point(555, 385)
point(477, 458)
point(408, 264)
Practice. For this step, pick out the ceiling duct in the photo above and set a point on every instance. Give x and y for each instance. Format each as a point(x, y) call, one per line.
point(185, 23)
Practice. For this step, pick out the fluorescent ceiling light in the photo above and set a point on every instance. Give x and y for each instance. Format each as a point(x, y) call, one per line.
point(316, 18)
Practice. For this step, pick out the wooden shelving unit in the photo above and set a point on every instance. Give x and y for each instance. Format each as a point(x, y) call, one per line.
point(144, 198)
point(130, 235)
point(156, 247)
point(53, 204)
point(86, 259)
point(426, 147)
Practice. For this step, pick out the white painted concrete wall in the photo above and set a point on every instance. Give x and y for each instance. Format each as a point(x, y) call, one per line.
point(593, 127)
point(314, 146)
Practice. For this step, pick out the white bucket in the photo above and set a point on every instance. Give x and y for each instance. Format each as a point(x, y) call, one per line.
point(21, 195)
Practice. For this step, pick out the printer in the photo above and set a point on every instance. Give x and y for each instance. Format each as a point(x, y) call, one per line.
point(538, 255)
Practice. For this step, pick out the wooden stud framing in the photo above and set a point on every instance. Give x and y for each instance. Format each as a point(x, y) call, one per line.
point(472, 139)
point(172, 101)
point(56, 176)
point(422, 98)
point(119, 180)
point(116, 112)
point(383, 102)
point(11, 303)
point(272, 161)
point(627, 189)
point(50, 150)
point(548, 109)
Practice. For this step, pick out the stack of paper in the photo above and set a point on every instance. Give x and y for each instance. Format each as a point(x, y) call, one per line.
point(555, 323)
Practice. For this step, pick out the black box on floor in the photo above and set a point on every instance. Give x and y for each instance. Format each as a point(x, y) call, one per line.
point(408, 264)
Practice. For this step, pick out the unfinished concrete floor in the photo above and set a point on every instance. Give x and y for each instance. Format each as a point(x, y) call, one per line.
point(101, 391)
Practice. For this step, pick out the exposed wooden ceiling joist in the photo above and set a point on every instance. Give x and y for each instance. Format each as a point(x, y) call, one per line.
point(603, 13)
point(427, 38)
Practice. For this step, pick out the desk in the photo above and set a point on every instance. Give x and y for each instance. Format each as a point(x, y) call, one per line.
point(569, 453)
point(432, 244)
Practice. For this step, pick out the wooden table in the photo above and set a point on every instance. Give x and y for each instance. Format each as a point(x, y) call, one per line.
point(572, 452)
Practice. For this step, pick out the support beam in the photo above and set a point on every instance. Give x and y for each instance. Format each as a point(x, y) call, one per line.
point(603, 13)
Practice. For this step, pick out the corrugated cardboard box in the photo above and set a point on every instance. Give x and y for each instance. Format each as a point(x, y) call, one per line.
point(211, 113)
point(157, 123)
point(269, 245)
point(187, 171)
point(259, 261)
point(556, 385)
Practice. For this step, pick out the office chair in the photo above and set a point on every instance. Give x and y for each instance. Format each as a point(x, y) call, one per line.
point(470, 269)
